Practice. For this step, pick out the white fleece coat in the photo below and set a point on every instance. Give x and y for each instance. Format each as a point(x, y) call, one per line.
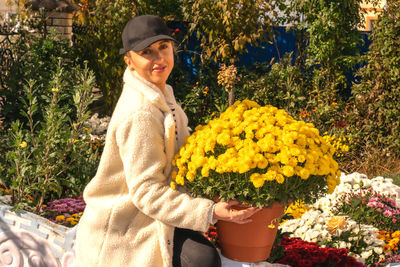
point(131, 211)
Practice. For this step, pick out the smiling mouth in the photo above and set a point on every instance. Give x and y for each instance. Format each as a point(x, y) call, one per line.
point(159, 68)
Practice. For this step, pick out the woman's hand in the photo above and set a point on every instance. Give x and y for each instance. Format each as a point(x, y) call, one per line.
point(223, 211)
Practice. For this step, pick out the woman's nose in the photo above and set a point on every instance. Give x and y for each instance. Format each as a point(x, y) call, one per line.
point(158, 57)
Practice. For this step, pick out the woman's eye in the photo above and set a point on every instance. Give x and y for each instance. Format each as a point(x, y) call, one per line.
point(145, 52)
point(163, 46)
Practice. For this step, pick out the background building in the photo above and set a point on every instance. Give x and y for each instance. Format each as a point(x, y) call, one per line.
point(371, 14)
point(7, 10)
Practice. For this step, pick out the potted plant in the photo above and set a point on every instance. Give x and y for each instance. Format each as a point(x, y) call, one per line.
point(261, 157)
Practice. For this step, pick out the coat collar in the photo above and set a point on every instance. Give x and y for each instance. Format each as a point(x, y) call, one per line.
point(133, 80)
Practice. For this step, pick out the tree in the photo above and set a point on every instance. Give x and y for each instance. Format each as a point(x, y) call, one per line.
point(333, 40)
point(224, 28)
point(377, 96)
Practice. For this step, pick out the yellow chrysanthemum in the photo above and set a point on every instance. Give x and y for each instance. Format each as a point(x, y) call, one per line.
point(257, 180)
point(270, 175)
point(279, 178)
point(60, 218)
point(288, 171)
point(296, 210)
point(173, 185)
point(205, 171)
point(70, 219)
point(179, 180)
point(23, 144)
point(264, 140)
point(304, 174)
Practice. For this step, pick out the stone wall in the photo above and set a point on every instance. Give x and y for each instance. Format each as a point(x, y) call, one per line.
point(61, 22)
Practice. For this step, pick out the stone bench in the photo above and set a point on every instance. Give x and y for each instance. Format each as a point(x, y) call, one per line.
point(27, 239)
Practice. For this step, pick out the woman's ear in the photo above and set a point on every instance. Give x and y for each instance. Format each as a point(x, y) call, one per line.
point(128, 61)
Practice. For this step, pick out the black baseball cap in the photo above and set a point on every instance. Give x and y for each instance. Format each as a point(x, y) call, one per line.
point(141, 31)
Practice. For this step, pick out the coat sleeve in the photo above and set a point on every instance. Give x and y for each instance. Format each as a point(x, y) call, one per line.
point(141, 147)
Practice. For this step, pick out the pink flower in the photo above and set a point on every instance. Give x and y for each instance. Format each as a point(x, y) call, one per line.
point(387, 213)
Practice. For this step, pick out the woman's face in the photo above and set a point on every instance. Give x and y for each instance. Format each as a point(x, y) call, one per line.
point(154, 63)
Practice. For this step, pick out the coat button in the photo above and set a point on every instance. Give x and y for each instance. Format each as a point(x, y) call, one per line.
point(168, 242)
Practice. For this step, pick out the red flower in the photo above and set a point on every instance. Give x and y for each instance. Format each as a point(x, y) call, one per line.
point(301, 253)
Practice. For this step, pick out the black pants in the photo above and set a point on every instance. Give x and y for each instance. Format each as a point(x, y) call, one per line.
point(192, 249)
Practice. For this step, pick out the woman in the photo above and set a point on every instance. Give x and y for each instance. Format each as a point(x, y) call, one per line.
point(133, 218)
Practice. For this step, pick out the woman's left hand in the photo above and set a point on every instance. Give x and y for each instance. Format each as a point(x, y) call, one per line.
point(224, 211)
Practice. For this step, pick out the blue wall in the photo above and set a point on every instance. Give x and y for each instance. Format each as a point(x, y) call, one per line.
point(285, 42)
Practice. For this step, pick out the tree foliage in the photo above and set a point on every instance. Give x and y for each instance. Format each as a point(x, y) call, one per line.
point(333, 40)
point(377, 96)
point(99, 44)
point(225, 27)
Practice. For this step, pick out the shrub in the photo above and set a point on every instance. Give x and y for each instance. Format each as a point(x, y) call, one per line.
point(369, 207)
point(375, 119)
point(47, 158)
point(206, 99)
point(99, 44)
point(38, 58)
point(280, 84)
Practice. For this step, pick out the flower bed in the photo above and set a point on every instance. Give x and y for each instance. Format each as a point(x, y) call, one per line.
point(65, 211)
point(300, 253)
point(335, 234)
point(357, 216)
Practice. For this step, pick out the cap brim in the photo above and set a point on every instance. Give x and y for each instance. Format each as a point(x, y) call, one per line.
point(146, 43)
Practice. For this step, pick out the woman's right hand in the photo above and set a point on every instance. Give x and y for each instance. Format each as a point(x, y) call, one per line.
point(224, 211)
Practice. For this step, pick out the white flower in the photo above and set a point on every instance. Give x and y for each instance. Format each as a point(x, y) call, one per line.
point(368, 240)
point(352, 225)
point(377, 179)
point(318, 227)
point(342, 244)
point(306, 216)
point(302, 229)
point(366, 254)
point(378, 242)
point(321, 220)
point(289, 228)
point(367, 183)
point(324, 204)
point(378, 250)
point(325, 234)
point(309, 223)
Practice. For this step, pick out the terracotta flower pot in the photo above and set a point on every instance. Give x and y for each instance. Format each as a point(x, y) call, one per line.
point(250, 242)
